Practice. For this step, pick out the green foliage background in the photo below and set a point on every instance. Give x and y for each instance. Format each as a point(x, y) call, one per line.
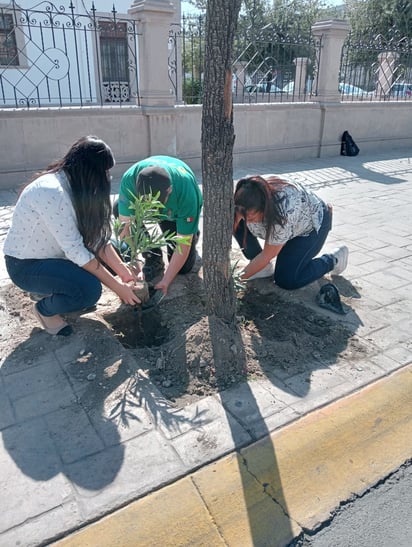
point(366, 17)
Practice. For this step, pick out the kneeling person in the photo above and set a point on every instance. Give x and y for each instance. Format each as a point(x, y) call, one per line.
point(179, 192)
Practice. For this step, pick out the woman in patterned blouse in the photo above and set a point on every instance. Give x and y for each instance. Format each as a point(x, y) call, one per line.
point(293, 222)
point(58, 243)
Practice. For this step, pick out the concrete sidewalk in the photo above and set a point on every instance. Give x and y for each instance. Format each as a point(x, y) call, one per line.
point(67, 460)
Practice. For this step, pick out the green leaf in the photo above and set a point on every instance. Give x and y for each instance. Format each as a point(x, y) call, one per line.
point(145, 235)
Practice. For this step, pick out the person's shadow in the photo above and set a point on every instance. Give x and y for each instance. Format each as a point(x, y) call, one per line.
point(58, 390)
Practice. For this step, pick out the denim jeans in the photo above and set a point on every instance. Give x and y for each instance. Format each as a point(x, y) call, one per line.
point(66, 286)
point(295, 264)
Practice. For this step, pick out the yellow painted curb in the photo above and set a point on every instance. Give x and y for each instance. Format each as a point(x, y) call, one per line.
point(294, 478)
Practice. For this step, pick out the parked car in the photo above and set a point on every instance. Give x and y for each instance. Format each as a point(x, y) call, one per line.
point(401, 90)
point(353, 90)
point(261, 88)
point(288, 88)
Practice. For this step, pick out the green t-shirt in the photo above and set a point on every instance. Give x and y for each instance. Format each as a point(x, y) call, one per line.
point(185, 200)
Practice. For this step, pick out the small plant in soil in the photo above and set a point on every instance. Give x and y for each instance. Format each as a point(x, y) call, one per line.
point(236, 272)
point(139, 326)
point(144, 235)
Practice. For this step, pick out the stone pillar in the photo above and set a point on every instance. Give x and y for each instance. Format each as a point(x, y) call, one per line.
point(154, 18)
point(331, 36)
point(299, 87)
point(387, 61)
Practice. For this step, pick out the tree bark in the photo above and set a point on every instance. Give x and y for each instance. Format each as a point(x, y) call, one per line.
point(217, 157)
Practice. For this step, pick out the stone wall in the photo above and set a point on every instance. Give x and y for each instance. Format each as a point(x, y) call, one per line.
point(29, 140)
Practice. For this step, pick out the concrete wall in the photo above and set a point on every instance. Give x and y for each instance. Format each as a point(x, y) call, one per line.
point(29, 140)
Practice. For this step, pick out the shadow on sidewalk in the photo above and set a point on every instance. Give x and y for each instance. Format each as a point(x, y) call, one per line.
point(379, 170)
point(59, 390)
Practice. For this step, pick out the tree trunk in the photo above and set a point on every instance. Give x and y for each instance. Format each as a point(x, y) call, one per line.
point(217, 156)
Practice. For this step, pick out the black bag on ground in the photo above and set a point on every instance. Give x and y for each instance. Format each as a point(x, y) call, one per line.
point(348, 145)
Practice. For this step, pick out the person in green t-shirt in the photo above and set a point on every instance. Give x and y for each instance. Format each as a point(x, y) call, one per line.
point(180, 193)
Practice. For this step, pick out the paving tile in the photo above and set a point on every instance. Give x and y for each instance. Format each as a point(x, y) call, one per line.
point(43, 402)
point(401, 353)
point(209, 442)
point(111, 478)
point(174, 422)
point(360, 373)
point(72, 433)
point(31, 474)
point(44, 528)
point(44, 376)
point(312, 388)
point(251, 401)
point(32, 354)
point(121, 416)
point(389, 336)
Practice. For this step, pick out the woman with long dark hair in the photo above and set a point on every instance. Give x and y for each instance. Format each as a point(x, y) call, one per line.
point(58, 244)
point(293, 222)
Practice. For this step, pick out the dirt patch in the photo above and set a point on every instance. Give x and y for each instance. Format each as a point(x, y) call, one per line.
point(189, 355)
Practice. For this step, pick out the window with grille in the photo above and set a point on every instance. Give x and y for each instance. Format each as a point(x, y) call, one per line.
point(114, 61)
point(8, 47)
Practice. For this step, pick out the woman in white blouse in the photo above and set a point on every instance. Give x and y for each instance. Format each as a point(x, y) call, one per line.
point(294, 224)
point(58, 243)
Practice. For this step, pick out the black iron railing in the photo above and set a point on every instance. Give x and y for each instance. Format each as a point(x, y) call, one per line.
point(266, 63)
point(376, 68)
point(52, 56)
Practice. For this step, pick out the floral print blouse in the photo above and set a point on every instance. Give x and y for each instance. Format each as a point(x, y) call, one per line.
point(303, 211)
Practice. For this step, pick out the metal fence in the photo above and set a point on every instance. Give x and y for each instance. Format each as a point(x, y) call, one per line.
point(376, 68)
point(279, 63)
point(270, 64)
point(52, 56)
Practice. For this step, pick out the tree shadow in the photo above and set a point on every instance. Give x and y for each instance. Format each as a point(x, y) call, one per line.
point(254, 485)
point(290, 341)
point(252, 411)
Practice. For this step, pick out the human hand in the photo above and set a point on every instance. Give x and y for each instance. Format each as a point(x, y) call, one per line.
point(128, 275)
point(126, 294)
point(162, 286)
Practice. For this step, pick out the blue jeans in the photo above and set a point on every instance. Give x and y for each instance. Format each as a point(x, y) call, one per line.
point(295, 264)
point(66, 286)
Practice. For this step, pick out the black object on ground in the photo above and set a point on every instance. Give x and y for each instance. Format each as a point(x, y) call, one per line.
point(329, 298)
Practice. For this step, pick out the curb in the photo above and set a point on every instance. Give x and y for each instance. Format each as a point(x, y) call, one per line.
point(269, 492)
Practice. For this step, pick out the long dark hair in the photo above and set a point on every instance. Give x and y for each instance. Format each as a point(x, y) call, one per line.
point(255, 193)
point(86, 165)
